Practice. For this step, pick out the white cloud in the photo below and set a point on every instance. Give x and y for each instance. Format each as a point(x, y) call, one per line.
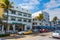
point(54, 12)
point(52, 4)
point(29, 4)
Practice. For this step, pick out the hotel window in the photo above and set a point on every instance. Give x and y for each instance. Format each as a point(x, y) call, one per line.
point(34, 23)
point(4, 17)
point(34, 19)
point(20, 13)
point(5, 11)
point(25, 20)
point(25, 14)
point(29, 20)
point(19, 19)
point(13, 18)
point(29, 15)
point(40, 23)
point(13, 12)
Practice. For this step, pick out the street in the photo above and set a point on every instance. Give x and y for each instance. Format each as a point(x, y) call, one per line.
point(37, 36)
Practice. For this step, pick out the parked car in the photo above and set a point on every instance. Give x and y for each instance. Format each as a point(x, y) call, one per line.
point(56, 34)
point(25, 32)
point(43, 30)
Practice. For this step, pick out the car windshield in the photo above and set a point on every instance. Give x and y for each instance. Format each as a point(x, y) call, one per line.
point(57, 31)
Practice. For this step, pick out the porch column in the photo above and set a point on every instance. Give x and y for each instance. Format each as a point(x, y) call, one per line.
point(14, 27)
point(2, 28)
point(30, 26)
point(8, 27)
point(25, 28)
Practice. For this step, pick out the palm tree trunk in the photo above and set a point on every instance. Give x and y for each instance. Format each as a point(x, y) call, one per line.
point(7, 20)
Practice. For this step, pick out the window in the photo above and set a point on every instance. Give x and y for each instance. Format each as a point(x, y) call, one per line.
point(34, 19)
point(5, 11)
point(20, 13)
point(27, 10)
point(40, 23)
point(19, 19)
point(29, 15)
point(25, 20)
point(4, 17)
point(34, 23)
point(13, 18)
point(29, 20)
point(28, 28)
point(25, 14)
point(13, 12)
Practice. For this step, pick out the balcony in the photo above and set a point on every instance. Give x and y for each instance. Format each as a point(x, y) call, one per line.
point(15, 15)
point(16, 22)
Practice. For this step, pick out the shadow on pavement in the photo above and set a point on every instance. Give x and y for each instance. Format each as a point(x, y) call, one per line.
point(15, 37)
point(35, 34)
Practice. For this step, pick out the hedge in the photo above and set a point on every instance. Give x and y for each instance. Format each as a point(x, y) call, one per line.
point(4, 35)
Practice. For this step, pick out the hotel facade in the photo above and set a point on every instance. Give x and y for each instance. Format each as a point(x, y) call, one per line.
point(18, 19)
point(43, 22)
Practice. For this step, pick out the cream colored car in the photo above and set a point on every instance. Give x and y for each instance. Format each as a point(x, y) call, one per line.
point(25, 32)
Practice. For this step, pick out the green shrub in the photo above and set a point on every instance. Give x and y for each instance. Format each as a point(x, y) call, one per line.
point(4, 35)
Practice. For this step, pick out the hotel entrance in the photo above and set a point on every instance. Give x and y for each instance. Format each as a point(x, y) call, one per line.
point(20, 27)
point(8, 27)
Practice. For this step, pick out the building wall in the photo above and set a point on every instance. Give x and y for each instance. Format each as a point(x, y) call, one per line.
point(44, 22)
point(21, 17)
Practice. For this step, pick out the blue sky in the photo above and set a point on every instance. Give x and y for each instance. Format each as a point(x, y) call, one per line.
point(50, 6)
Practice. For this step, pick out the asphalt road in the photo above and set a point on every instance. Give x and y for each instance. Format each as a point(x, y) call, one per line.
point(37, 36)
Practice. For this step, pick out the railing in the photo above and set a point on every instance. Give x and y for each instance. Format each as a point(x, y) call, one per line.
point(17, 15)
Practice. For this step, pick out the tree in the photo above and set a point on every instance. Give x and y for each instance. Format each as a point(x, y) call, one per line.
point(55, 18)
point(6, 4)
point(40, 17)
point(0, 20)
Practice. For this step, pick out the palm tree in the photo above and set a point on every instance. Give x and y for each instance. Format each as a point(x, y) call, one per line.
point(6, 4)
point(40, 17)
point(0, 20)
point(55, 20)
